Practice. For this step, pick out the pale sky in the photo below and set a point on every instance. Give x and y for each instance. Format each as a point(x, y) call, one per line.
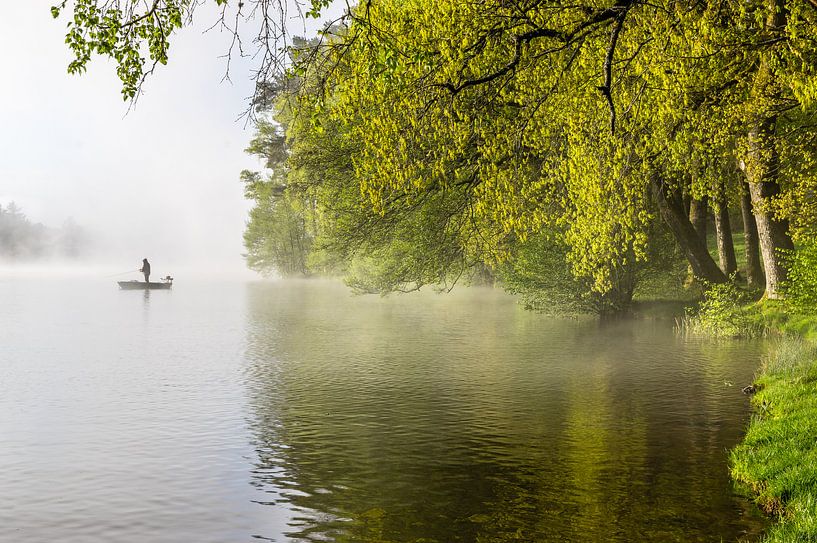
point(160, 181)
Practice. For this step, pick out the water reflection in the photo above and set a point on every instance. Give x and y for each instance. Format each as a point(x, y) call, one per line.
point(466, 419)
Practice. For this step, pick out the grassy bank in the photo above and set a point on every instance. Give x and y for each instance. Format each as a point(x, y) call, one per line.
point(777, 459)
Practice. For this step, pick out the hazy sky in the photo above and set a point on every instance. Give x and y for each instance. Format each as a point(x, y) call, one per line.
point(161, 181)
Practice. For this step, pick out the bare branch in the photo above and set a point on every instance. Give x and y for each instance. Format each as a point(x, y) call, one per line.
point(148, 14)
point(607, 88)
point(565, 38)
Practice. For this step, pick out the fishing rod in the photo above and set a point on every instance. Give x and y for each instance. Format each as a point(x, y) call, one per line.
point(123, 273)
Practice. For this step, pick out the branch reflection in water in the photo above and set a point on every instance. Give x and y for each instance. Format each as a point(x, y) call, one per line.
point(464, 418)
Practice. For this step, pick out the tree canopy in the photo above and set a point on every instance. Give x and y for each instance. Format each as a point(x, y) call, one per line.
point(441, 136)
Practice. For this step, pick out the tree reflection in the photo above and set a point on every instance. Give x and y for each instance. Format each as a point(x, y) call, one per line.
point(466, 419)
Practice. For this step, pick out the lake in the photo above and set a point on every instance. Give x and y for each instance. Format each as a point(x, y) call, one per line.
point(231, 412)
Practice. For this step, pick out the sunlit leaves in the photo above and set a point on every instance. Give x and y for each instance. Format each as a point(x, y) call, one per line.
point(498, 107)
point(441, 96)
point(135, 35)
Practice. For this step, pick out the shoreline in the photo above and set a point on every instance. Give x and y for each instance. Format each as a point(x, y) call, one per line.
point(776, 462)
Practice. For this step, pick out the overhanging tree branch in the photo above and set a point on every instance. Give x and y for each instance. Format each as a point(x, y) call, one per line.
point(596, 17)
point(607, 88)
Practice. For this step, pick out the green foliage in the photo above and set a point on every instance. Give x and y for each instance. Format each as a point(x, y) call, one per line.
point(724, 312)
point(662, 277)
point(281, 229)
point(801, 290)
point(429, 241)
point(510, 114)
point(277, 238)
point(316, 7)
point(539, 272)
point(126, 31)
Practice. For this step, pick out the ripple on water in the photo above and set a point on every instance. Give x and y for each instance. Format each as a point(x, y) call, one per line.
point(295, 412)
point(453, 424)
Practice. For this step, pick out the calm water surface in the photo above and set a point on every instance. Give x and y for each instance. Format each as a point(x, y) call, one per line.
point(233, 413)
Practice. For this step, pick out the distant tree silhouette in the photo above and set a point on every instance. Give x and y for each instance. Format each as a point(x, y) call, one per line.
point(22, 239)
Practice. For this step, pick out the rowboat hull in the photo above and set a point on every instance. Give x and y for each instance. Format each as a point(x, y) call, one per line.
point(141, 285)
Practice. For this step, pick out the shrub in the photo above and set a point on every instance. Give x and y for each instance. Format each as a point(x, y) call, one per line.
point(801, 287)
point(724, 312)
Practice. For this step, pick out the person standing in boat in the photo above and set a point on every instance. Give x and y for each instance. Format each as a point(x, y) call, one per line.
point(146, 269)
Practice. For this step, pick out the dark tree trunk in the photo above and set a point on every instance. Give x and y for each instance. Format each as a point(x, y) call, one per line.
point(696, 209)
point(723, 233)
point(754, 273)
point(697, 216)
point(773, 234)
point(671, 206)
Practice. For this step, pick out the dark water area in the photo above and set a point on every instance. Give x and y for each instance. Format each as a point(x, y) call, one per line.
point(296, 412)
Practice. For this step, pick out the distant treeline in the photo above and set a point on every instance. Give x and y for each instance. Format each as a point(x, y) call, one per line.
point(21, 239)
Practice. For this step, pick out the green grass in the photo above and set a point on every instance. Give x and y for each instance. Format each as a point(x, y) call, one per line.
point(777, 459)
point(777, 315)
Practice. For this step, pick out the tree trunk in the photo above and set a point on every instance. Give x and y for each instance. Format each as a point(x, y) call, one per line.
point(697, 216)
point(764, 164)
point(773, 234)
point(723, 233)
point(696, 209)
point(671, 207)
point(754, 273)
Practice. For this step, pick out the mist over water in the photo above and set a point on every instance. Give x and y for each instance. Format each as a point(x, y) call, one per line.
point(231, 409)
point(108, 272)
point(159, 179)
point(32, 249)
point(156, 179)
point(294, 411)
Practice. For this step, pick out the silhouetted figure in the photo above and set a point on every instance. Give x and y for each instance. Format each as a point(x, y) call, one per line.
point(146, 269)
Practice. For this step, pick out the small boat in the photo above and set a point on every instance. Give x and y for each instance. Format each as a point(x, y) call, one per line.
point(166, 283)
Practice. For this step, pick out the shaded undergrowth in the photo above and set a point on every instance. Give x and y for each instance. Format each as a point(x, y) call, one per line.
point(726, 311)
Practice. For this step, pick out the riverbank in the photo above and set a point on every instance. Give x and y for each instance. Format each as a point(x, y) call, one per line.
point(777, 459)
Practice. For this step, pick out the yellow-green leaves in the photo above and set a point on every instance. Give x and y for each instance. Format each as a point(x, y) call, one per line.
point(135, 35)
point(503, 109)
